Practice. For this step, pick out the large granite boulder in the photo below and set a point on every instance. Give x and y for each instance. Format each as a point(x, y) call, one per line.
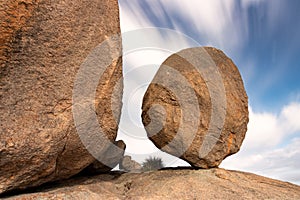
point(196, 107)
point(43, 46)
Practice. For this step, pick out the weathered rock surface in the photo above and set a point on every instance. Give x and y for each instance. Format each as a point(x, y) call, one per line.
point(170, 184)
point(43, 44)
point(130, 165)
point(196, 107)
point(112, 156)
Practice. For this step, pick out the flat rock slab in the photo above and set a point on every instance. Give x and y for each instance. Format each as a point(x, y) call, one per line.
point(196, 107)
point(170, 184)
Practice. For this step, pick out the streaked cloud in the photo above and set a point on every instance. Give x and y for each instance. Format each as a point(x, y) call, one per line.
point(209, 22)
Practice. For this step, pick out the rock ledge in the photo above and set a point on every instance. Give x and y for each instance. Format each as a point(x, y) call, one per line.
point(170, 184)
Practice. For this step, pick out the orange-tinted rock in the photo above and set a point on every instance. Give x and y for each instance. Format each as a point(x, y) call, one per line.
point(196, 107)
point(129, 165)
point(43, 45)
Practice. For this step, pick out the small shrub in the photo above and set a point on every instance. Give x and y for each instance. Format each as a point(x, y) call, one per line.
point(152, 163)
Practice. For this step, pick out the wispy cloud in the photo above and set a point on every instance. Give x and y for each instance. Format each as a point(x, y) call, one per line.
point(209, 22)
point(233, 26)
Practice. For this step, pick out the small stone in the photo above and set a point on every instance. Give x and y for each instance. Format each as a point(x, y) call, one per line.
point(130, 165)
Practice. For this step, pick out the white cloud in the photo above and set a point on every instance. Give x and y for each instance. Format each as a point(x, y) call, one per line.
point(281, 163)
point(291, 117)
point(223, 24)
point(215, 21)
point(262, 128)
point(261, 152)
point(269, 129)
point(132, 18)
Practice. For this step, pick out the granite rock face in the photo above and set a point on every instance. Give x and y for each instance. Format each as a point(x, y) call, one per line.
point(112, 156)
point(43, 45)
point(170, 184)
point(196, 107)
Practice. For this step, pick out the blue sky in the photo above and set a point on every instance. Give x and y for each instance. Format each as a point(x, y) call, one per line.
point(263, 39)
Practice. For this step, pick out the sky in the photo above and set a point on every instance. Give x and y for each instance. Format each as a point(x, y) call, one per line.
point(262, 37)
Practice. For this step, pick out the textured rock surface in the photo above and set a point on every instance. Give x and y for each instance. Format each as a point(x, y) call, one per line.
point(112, 156)
point(194, 111)
point(170, 184)
point(130, 165)
point(43, 44)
